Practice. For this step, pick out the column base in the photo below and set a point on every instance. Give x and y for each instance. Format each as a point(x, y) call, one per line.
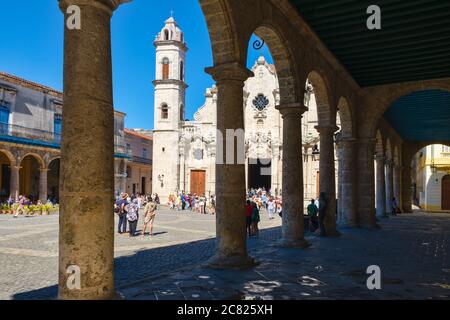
point(288, 243)
point(347, 224)
point(231, 262)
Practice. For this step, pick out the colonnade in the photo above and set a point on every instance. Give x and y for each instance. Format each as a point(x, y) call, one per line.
point(86, 222)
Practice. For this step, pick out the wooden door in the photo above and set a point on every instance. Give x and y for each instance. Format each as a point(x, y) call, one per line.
point(446, 193)
point(198, 179)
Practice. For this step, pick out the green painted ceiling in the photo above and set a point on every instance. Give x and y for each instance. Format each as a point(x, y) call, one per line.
point(422, 116)
point(413, 44)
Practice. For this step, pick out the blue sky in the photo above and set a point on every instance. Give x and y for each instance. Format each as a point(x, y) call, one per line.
point(32, 48)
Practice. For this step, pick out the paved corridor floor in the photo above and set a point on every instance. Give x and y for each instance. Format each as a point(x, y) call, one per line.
point(411, 250)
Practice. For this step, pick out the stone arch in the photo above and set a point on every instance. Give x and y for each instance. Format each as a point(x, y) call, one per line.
point(325, 114)
point(222, 34)
point(10, 156)
point(346, 118)
point(413, 148)
point(284, 63)
point(36, 156)
point(391, 93)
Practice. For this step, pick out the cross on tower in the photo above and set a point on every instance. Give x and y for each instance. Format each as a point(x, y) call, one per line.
point(171, 13)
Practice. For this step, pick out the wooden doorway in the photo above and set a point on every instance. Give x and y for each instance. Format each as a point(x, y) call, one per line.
point(446, 192)
point(198, 179)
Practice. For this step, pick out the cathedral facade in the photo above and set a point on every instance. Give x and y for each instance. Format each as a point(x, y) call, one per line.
point(185, 151)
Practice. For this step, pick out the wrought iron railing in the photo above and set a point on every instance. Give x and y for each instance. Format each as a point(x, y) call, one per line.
point(142, 160)
point(16, 131)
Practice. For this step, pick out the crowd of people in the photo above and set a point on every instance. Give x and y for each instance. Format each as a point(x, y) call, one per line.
point(192, 202)
point(258, 199)
point(127, 208)
point(18, 205)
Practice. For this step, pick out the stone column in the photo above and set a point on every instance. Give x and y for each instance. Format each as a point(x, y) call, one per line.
point(365, 193)
point(381, 186)
point(406, 190)
point(328, 176)
point(230, 175)
point(292, 181)
point(347, 182)
point(86, 236)
point(43, 173)
point(389, 186)
point(396, 183)
point(14, 182)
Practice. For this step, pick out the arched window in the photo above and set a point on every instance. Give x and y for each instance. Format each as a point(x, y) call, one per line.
point(165, 69)
point(164, 111)
point(166, 34)
point(181, 70)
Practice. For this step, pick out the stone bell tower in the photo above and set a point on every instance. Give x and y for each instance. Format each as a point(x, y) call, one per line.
point(169, 108)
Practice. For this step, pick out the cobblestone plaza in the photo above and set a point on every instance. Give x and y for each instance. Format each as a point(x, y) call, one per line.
point(411, 250)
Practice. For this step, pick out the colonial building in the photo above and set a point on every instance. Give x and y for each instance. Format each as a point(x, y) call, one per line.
point(30, 136)
point(139, 166)
point(193, 144)
point(431, 178)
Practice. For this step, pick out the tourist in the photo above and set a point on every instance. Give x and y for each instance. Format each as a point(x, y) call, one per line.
point(255, 220)
point(149, 216)
point(312, 214)
point(280, 209)
point(21, 206)
point(248, 217)
point(212, 205)
point(122, 212)
point(271, 208)
point(201, 205)
point(322, 213)
point(132, 216)
point(395, 208)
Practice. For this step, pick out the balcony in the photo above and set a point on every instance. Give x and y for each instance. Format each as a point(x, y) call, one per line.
point(142, 160)
point(20, 134)
point(30, 136)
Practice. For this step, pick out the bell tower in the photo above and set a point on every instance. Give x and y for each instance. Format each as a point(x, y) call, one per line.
point(169, 107)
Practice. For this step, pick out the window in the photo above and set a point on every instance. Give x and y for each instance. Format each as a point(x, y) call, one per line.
point(166, 34)
point(181, 70)
point(57, 123)
point(144, 153)
point(4, 119)
point(165, 69)
point(164, 111)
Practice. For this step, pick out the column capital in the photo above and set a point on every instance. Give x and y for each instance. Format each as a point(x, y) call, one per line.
point(15, 167)
point(232, 71)
point(390, 162)
point(44, 169)
point(327, 129)
point(380, 157)
point(292, 109)
point(107, 5)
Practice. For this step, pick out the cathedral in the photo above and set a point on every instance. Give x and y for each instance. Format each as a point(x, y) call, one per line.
point(185, 151)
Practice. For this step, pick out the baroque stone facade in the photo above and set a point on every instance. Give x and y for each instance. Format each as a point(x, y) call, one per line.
point(194, 143)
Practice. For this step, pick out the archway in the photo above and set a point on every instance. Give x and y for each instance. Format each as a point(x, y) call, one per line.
point(5, 175)
point(445, 196)
point(53, 180)
point(430, 169)
point(29, 175)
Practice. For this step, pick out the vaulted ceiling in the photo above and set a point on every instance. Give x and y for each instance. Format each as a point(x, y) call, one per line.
point(413, 43)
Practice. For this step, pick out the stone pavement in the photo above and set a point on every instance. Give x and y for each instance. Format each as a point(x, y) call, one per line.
point(29, 251)
point(411, 250)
